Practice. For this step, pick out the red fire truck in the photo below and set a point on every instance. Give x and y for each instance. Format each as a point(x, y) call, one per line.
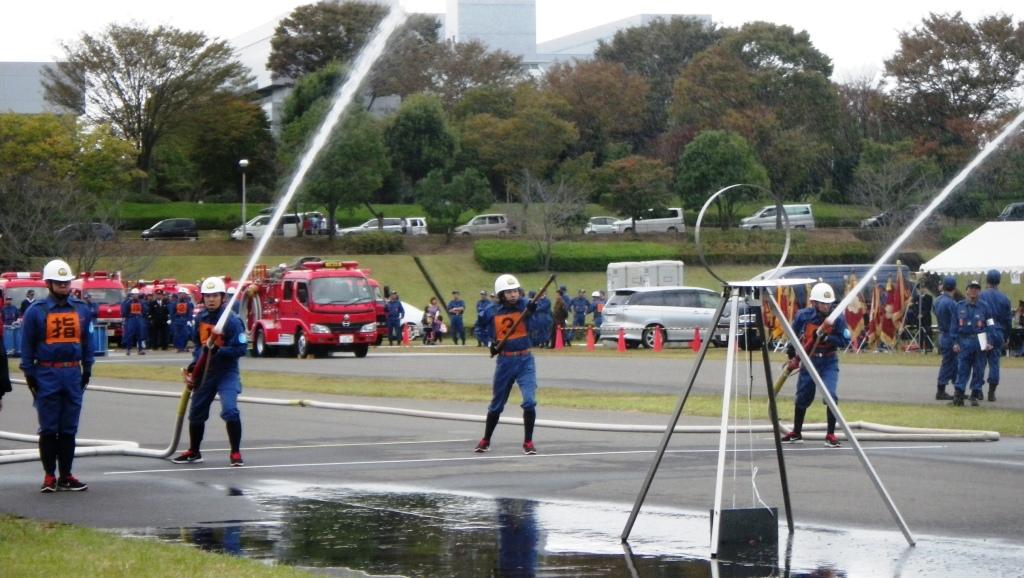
point(107, 293)
point(17, 284)
point(315, 308)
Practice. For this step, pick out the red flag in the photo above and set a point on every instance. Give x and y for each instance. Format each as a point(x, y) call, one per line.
point(888, 323)
point(876, 305)
point(854, 313)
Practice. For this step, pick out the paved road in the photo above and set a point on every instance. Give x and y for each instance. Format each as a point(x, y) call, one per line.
point(863, 382)
point(942, 489)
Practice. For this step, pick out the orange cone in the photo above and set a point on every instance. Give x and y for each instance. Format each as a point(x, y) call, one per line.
point(590, 338)
point(622, 341)
point(405, 334)
point(695, 344)
point(559, 340)
point(657, 339)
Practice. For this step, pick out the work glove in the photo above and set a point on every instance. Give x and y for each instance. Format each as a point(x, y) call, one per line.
point(33, 385)
point(186, 374)
point(494, 349)
point(790, 351)
point(793, 364)
point(86, 375)
point(531, 307)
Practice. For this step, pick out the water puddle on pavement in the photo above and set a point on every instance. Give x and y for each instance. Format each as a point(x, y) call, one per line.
point(374, 531)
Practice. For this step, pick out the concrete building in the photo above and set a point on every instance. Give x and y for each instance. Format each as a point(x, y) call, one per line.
point(21, 88)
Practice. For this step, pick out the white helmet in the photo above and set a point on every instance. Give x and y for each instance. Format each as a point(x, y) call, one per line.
point(183, 291)
point(232, 290)
point(822, 293)
point(134, 291)
point(213, 285)
point(57, 270)
point(595, 294)
point(505, 282)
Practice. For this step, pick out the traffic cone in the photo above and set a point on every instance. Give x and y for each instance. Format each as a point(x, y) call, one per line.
point(695, 344)
point(559, 340)
point(590, 338)
point(405, 335)
point(657, 339)
point(621, 348)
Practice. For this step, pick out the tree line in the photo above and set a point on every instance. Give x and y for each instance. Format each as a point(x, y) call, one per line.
point(664, 113)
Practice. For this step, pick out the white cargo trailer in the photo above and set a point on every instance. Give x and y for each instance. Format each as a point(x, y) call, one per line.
point(644, 274)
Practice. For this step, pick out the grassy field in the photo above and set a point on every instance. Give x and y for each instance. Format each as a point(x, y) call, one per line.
point(39, 548)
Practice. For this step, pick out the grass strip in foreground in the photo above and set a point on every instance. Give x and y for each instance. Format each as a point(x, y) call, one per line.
point(938, 415)
point(37, 548)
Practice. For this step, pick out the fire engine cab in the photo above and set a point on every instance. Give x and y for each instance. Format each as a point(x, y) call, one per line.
point(315, 308)
point(107, 293)
point(17, 284)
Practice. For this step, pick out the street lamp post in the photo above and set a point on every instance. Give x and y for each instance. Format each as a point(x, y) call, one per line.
point(243, 164)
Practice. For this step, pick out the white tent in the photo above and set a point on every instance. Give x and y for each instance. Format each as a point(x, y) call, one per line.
point(995, 245)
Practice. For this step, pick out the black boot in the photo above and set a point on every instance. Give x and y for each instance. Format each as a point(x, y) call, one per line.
point(992, 391)
point(958, 399)
point(941, 394)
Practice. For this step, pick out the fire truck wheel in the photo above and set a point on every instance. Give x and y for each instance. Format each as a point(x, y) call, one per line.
point(362, 350)
point(301, 345)
point(260, 347)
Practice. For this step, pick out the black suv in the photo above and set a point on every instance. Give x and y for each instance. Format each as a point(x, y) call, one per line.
point(172, 229)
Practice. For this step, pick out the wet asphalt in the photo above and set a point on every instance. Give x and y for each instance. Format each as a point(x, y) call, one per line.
point(944, 490)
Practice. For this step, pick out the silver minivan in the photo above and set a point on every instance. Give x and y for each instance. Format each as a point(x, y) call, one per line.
point(495, 224)
point(800, 217)
point(675, 311)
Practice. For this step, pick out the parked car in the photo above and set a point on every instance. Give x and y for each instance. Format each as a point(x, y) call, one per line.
point(413, 319)
point(400, 225)
point(496, 224)
point(85, 232)
point(675, 311)
point(289, 226)
point(1012, 212)
point(601, 226)
point(900, 217)
point(799, 216)
point(668, 220)
point(172, 229)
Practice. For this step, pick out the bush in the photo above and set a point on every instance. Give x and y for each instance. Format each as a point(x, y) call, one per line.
point(373, 243)
point(496, 256)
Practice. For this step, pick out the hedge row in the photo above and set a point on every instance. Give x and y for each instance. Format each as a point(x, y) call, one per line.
point(499, 255)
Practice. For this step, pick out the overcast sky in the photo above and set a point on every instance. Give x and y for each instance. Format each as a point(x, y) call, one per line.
point(858, 36)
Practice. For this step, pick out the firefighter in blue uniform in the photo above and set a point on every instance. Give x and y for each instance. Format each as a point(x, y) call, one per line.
point(482, 305)
point(836, 337)
point(579, 307)
point(133, 311)
point(221, 375)
point(514, 362)
point(597, 307)
point(971, 326)
point(10, 311)
point(945, 312)
point(395, 315)
point(544, 320)
point(94, 308)
point(57, 358)
point(456, 308)
point(181, 314)
point(1001, 312)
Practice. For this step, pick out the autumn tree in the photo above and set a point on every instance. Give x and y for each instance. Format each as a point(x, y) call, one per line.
point(636, 185)
point(142, 81)
point(459, 67)
point(404, 67)
point(606, 101)
point(351, 168)
point(717, 159)
point(891, 176)
point(419, 138)
point(658, 52)
point(314, 35)
point(954, 81)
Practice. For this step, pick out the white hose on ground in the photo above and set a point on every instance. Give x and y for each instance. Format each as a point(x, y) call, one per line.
point(872, 431)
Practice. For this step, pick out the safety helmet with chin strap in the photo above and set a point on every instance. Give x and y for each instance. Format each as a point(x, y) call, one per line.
point(505, 282)
point(823, 293)
point(213, 285)
point(57, 270)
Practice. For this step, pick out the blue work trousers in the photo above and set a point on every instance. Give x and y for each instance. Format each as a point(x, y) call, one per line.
point(992, 357)
point(510, 370)
point(179, 333)
point(458, 329)
point(970, 364)
point(828, 369)
point(947, 368)
point(58, 399)
point(228, 385)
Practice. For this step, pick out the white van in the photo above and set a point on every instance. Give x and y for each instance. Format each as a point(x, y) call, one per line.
point(668, 220)
point(257, 227)
point(800, 217)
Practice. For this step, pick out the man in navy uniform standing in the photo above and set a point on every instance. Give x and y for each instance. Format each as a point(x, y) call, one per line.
point(972, 329)
point(999, 309)
point(945, 312)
